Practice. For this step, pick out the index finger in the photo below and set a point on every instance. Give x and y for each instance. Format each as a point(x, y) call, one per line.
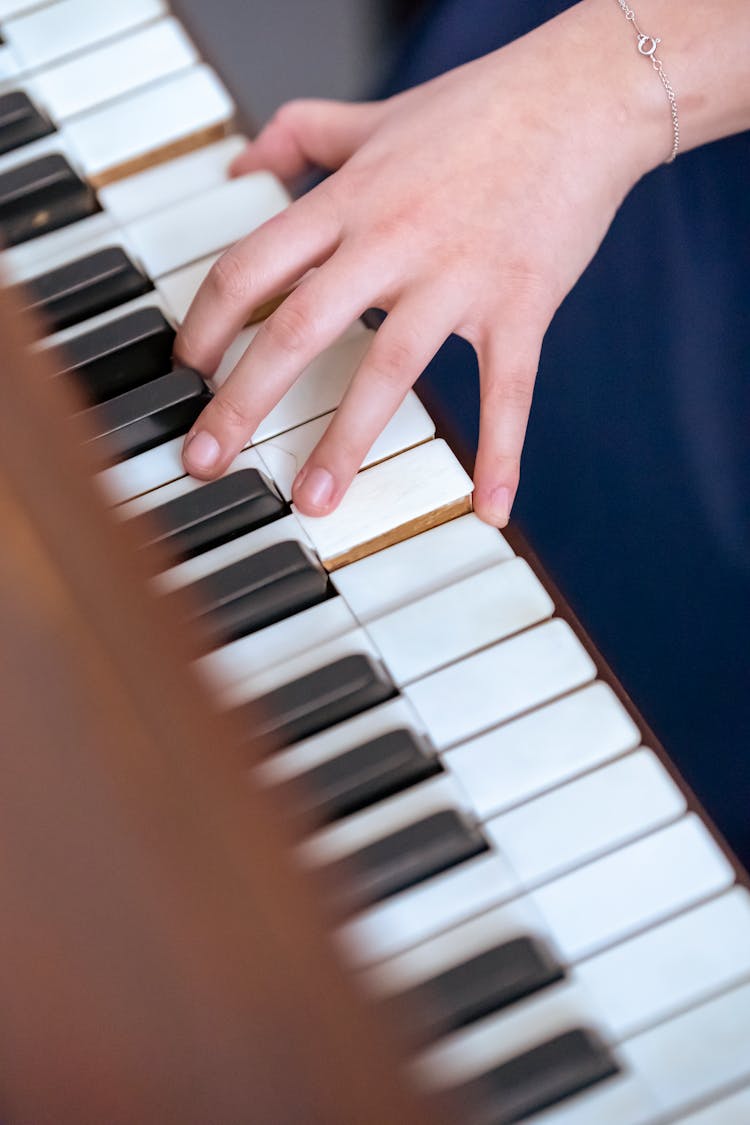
point(263, 264)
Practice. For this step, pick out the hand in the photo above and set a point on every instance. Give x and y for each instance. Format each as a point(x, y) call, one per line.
point(471, 205)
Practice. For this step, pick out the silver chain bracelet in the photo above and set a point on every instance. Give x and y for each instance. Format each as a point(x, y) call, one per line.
point(647, 45)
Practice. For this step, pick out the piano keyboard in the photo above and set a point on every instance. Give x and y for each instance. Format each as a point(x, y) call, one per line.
point(557, 932)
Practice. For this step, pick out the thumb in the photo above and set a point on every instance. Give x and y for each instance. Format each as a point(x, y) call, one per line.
point(306, 134)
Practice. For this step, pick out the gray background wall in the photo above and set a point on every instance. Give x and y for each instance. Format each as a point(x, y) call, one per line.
point(270, 51)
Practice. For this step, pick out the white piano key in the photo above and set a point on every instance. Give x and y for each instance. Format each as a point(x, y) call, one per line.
point(147, 121)
point(179, 287)
point(733, 1110)
point(697, 1054)
point(419, 566)
point(437, 955)
point(523, 758)
point(410, 425)
point(415, 915)
point(9, 66)
point(39, 255)
point(252, 687)
point(248, 459)
point(226, 554)
point(388, 816)
point(59, 339)
point(603, 810)
point(318, 390)
point(11, 8)
point(672, 966)
point(501, 682)
point(637, 886)
point(44, 146)
point(116, 68)
point(310, 752)
point(465, 1054)
point(250, 656)
point(445, 626)
point(390, 500)
point(60, 29)
point(158, 188)
point(195, 227)
point(141, 474)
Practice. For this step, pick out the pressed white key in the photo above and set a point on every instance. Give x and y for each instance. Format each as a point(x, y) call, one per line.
point(417, 914)
point(696, 1054)
point(226, 554)
point(60, 29)
point(501, 682)
point(523, 758)
point(495, 927)
point(466, 1054)
point(670, 967)
point(179, 287)
point(139, 475)
point(734, 1110)
point(109, 71)
point(194, 227)
point(52, 143)
point(39, 255)
point(392, 499)
point(451, 623)
point(410, 425)
point(634, 887)
point(248, 459)
point(277, 644)
point(158, 188)
point(318, 390)
point(254, 686)
point(421, 565)
point(146, 300)
point(179, 107)
point(391, 815)
point(598, 812)
point(305, 755)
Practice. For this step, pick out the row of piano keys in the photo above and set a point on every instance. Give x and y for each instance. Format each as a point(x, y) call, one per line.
point(572, 936)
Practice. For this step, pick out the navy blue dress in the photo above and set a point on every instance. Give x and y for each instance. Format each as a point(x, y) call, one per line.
point(635, 488)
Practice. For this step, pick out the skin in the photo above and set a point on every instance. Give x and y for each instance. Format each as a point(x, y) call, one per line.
point(471, 204)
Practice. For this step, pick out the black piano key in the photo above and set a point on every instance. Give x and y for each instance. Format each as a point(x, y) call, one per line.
point(121, 355)
point(409, 856)
point(85, 287)
point(537, 1079)
point(320, 699)
point(260, 590)
point(475, 988)
point(21, 121)
point(368, 773)
point(213, 514)
point(147, 416)
point(42, 196)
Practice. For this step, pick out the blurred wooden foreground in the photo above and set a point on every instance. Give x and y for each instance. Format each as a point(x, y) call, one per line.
point(161, 960)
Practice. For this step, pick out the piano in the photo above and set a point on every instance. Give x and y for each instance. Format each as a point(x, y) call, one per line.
point(518, 878)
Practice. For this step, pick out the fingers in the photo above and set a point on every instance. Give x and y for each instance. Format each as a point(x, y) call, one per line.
point(308, 321)
point(402, 348)
point(306, 134)
point(265, 263)
point(508, 365)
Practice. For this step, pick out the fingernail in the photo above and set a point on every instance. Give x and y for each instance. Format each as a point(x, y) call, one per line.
point(202, 452)
point(318, 488)
point(501, 502)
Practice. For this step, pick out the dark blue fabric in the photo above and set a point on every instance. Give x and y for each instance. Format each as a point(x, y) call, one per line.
point(636, 479)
